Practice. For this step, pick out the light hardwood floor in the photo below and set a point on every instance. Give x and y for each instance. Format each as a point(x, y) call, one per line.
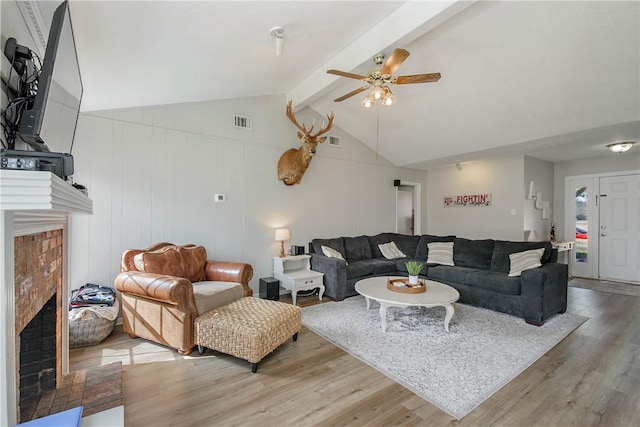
point(592, 378)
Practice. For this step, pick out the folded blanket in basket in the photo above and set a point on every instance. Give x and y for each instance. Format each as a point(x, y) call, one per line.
point(109, 313)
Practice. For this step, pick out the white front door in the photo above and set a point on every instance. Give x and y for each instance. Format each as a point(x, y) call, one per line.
point(619, 231)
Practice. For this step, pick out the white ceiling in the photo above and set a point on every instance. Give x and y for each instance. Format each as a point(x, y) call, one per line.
point(555, 80)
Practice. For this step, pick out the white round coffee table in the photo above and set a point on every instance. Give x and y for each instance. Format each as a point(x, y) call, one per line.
point(436, 295)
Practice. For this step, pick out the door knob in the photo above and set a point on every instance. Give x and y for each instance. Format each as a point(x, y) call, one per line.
point(603, 226)
point(603, 234)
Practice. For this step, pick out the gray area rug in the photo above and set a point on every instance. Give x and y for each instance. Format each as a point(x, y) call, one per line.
point(455, 371)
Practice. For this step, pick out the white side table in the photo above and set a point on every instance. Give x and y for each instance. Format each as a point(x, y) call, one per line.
point(564, 250)
point(295, 274)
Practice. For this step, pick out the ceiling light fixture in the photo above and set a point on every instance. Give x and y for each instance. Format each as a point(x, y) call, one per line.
point(377, 81)
point(389, 98)
point(379, 89)
point(620, 147)
point(377, 92)
point(368, 102)
point(278, 34)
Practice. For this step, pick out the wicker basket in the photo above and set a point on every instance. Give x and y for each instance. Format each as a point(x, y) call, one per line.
point(90, 329)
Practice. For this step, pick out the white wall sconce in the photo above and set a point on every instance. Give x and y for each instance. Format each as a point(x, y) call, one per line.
point(458, 165)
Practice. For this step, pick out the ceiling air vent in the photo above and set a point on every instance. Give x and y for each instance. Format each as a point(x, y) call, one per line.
point(242, 122)
point(333, 141)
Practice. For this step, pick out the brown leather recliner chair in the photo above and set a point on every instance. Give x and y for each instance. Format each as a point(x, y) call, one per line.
point(165, 287)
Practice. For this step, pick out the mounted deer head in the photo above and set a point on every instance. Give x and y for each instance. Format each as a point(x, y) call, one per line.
point(294, 162)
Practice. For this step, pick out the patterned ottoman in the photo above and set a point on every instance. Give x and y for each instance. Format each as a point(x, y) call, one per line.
point(248, 328)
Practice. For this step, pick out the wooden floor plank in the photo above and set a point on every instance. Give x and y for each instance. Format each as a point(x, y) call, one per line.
point(591, 378)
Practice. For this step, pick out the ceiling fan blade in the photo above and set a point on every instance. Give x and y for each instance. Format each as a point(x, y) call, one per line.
point(416, 78)
point(395, 60)
point(350, 94)
point(345, 74)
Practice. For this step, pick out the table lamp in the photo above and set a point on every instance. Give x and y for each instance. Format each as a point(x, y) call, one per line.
point(282, 234)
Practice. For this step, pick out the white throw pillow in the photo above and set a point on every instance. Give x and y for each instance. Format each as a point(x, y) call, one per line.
point(526, 260)
point(391, 251)
point(440, 253)
point(331, 253)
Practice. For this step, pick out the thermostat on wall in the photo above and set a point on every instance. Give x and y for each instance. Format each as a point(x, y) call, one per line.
point(219, 198)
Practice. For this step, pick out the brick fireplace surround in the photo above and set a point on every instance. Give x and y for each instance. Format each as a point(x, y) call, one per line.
point(32, 203)
point(38, 278)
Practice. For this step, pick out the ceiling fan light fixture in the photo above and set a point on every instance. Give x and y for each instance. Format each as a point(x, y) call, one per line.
point(620, 147)
point(389, 98)
point(377, 93)
point(368, 102)
point(378, 79)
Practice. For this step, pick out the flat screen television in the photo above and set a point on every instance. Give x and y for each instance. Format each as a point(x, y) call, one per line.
point(50, 122)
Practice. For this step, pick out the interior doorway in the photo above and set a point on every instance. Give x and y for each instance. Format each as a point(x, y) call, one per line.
point(408, 208)
point(603, 219)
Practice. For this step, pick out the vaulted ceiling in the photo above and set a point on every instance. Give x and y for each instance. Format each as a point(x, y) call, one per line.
point(557, 80)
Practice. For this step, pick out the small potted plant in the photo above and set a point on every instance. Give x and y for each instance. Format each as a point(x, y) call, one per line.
point(414, 268)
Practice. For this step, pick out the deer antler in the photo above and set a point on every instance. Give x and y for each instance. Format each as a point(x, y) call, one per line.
point(303, 128)
point(292, 117)
point(324, 128)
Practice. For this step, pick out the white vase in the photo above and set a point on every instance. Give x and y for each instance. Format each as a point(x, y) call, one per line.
point(413, 280)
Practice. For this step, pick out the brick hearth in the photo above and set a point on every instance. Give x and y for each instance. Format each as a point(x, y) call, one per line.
point(97, 389)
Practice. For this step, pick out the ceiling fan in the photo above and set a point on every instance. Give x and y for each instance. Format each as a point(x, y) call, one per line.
point(379, 79)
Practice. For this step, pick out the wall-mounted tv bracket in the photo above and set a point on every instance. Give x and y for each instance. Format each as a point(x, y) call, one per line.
point(21, 90)
point(17, 55)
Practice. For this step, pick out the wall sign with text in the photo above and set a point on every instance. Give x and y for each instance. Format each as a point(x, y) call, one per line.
point(468, 200)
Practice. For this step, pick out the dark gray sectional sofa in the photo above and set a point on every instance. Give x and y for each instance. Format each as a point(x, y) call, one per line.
point(480, 273)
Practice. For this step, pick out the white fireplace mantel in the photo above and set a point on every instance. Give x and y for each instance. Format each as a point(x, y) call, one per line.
point(31, 190)
point(30, 202)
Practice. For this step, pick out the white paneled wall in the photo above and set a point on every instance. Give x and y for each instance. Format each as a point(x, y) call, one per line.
point(152, 174)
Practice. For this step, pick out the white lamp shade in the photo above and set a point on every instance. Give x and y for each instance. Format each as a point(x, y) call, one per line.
point(282, 234)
